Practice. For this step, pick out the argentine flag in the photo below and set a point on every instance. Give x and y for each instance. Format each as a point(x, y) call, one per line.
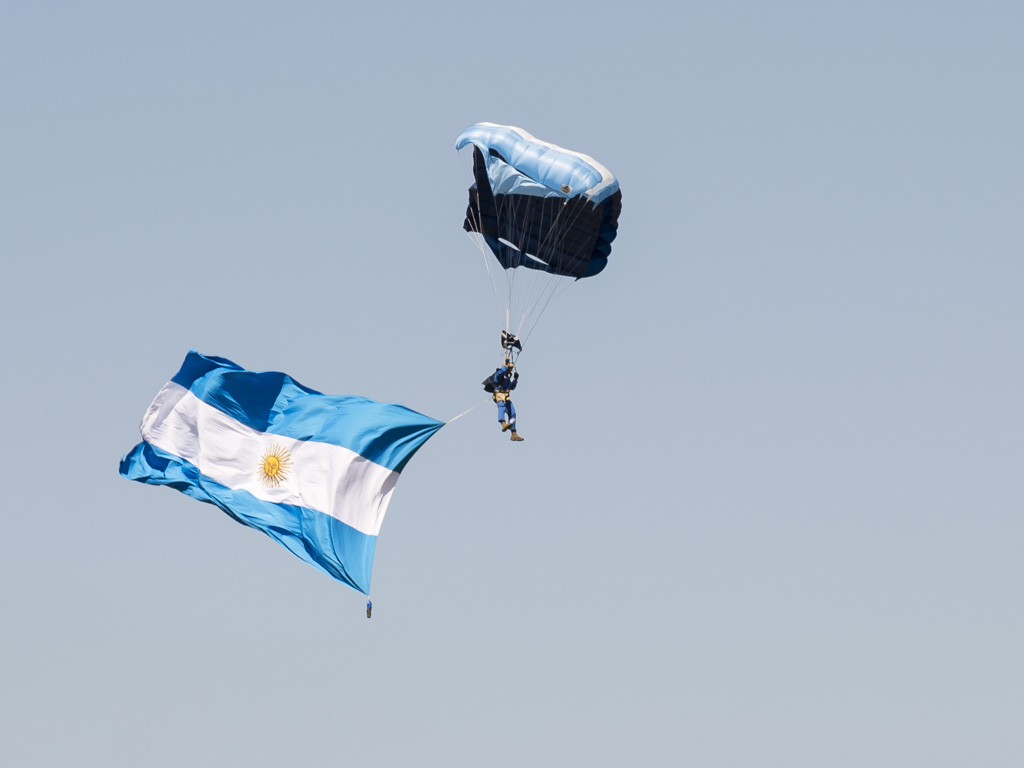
point(313, 471)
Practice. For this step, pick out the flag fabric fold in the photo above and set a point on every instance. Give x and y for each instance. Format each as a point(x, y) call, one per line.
point(314, 472)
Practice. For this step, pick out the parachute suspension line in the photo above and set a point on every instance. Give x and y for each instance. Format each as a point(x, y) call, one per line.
point(527, 286)
point(518, 280)
point(542, 306)
point(549, 239)
point(506, 211)
point(506, 284)
point(553, 242)
point(478, 240)
point(494, 274)
point(554, 207)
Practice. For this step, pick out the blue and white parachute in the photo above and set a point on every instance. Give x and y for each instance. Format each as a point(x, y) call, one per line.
point(543, 217)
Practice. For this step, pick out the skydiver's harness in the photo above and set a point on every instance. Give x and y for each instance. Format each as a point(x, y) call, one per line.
point(491, 385)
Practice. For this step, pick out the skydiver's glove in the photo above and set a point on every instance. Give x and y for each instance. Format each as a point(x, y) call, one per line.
point(516, 375)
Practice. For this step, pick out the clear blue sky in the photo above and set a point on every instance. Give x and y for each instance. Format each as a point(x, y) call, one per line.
point(769, 507)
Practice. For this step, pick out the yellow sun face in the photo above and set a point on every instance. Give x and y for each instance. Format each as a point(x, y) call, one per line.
point(274, 466)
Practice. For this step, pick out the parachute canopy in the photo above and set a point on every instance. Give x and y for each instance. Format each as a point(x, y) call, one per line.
point(538, 205)
point(532, 204)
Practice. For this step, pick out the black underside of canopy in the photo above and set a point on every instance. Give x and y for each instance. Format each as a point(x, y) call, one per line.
point(564, 236)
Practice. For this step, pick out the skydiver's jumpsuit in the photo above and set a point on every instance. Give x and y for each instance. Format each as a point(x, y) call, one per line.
point(503, 386)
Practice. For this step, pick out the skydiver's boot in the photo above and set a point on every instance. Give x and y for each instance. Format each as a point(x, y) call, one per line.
point(504, 425)
point(516, 438)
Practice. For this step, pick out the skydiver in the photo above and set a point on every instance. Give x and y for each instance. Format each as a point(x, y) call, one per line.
point(504, 382)
point(369, 608)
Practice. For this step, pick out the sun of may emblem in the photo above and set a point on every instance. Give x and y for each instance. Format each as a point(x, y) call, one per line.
point(274, 466)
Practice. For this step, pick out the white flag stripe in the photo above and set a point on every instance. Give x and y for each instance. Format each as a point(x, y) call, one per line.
point(321, 476)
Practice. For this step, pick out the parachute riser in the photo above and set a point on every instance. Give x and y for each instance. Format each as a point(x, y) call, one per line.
point(512, 346)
